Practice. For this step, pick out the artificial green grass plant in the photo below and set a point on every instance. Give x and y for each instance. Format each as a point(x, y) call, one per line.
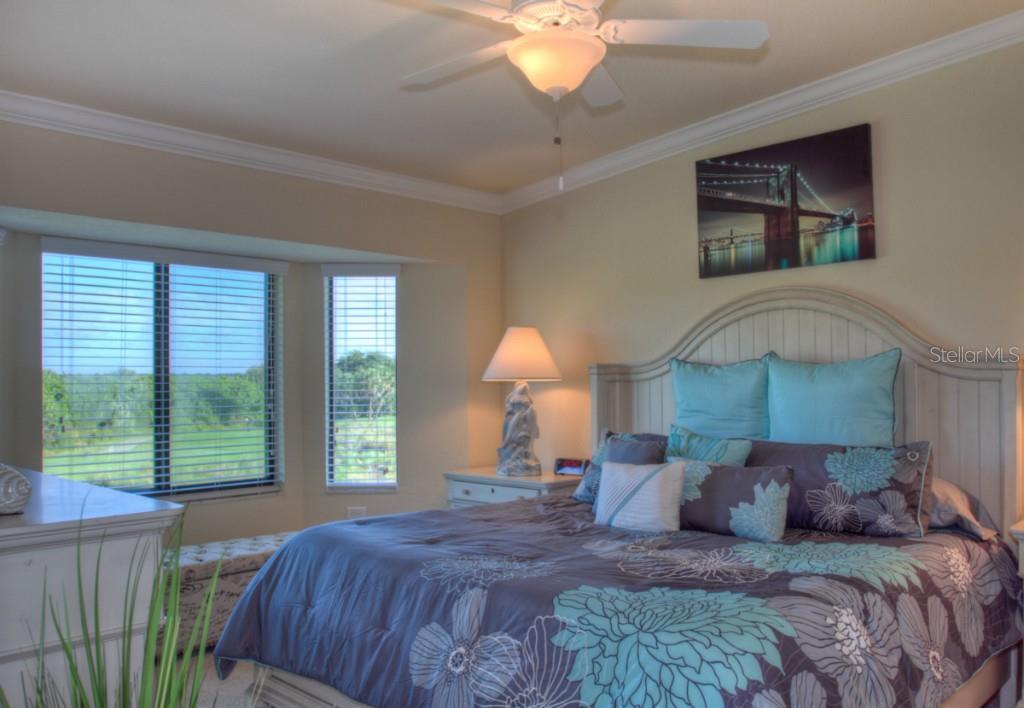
point(164, 680)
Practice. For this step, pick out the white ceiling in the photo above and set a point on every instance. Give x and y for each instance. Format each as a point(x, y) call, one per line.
point(323, 76)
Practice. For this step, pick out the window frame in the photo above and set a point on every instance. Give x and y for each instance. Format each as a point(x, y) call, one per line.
point(162, 260)
point(329, 273)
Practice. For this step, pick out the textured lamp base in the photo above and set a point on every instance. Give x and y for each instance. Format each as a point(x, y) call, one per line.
point(15, 490)
point(515, 456)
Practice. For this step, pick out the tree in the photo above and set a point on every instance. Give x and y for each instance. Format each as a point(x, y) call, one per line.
point(56, 408)
point(364, 385)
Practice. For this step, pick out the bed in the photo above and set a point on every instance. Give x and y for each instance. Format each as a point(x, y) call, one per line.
point(531, 603)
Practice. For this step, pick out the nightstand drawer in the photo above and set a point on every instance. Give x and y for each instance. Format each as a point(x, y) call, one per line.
point(456, 504)
point(487, 493)
point(481, 485)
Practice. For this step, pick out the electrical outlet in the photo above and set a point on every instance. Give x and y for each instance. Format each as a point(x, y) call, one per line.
point(356, 512)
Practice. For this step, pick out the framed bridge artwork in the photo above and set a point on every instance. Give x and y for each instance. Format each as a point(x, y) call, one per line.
point(799, 203)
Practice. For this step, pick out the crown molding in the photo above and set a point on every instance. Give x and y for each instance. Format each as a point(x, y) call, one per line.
point(980, 39)
point(77, 120)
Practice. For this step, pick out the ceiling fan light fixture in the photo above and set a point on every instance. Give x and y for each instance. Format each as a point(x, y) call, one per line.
point(557, 61)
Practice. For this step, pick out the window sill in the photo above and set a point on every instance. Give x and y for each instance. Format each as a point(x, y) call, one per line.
point(389, 488)
point(214, 495)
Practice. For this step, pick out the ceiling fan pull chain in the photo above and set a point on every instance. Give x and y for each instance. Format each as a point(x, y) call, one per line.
point(559, 144)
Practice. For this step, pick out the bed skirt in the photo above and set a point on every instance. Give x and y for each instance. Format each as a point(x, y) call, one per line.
point(997, 683)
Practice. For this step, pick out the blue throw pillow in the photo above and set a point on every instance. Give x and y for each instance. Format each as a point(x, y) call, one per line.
point(847, 403)
point(728, 401)
point(627, 448)
point(691, 446)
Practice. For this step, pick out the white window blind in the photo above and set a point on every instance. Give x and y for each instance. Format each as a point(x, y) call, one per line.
point(361, 376)
point(158, 377)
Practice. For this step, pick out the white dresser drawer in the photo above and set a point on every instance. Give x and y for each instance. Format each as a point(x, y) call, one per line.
point(65, 523)
point(477, 493)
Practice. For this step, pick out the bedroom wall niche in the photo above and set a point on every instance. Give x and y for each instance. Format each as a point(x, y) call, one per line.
point(452, 299)
point(610, 271)
point(433, 413)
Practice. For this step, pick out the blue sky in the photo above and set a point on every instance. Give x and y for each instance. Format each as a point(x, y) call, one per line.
point(364, 318)
point(98, 316)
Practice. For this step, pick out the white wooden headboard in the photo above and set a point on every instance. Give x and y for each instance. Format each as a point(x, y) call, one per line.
point(970, 412)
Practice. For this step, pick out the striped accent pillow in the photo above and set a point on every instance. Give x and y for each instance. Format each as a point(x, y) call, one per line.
point(640, 497)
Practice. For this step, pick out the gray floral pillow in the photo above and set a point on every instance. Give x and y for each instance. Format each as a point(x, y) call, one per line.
point(873, 491)
point(953, 507)
point(749, 502)
point(627, 448)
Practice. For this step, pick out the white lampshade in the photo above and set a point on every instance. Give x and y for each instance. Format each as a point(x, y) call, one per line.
point(557, 61)
point(522, 356)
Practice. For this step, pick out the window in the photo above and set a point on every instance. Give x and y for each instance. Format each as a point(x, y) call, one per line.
point(361, 375)
point(158, 377)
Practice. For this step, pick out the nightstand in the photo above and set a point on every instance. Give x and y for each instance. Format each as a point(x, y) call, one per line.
point(1017, 531)
point(480, 485)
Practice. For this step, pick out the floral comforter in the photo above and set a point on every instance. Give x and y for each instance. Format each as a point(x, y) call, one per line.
point(531, 604)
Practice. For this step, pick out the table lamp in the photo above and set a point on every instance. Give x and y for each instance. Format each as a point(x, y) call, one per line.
point(522, 356)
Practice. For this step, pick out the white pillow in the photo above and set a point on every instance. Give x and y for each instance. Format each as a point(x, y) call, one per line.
point(640, 497)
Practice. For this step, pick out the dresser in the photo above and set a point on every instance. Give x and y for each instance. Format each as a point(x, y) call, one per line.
point(43, 542)
point(481, 485)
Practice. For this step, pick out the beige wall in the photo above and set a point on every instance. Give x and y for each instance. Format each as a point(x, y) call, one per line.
point(449, 309)
point(6, 349)
point(609, 272)
point(21, 378)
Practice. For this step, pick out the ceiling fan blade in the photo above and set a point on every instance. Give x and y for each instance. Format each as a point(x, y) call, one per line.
point(479, 8)
point(718, 34)
point(600, 89)
point(457, 66)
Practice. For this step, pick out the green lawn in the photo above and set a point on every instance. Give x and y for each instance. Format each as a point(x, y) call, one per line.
point(239, 454)
point(359, 453)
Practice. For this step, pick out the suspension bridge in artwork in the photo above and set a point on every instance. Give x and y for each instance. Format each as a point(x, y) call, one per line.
point(779, 192)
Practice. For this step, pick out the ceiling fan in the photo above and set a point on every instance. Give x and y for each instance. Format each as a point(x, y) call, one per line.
point(563, 43)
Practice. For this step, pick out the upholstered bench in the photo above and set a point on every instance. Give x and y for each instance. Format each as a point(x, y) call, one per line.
point(240, 560)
